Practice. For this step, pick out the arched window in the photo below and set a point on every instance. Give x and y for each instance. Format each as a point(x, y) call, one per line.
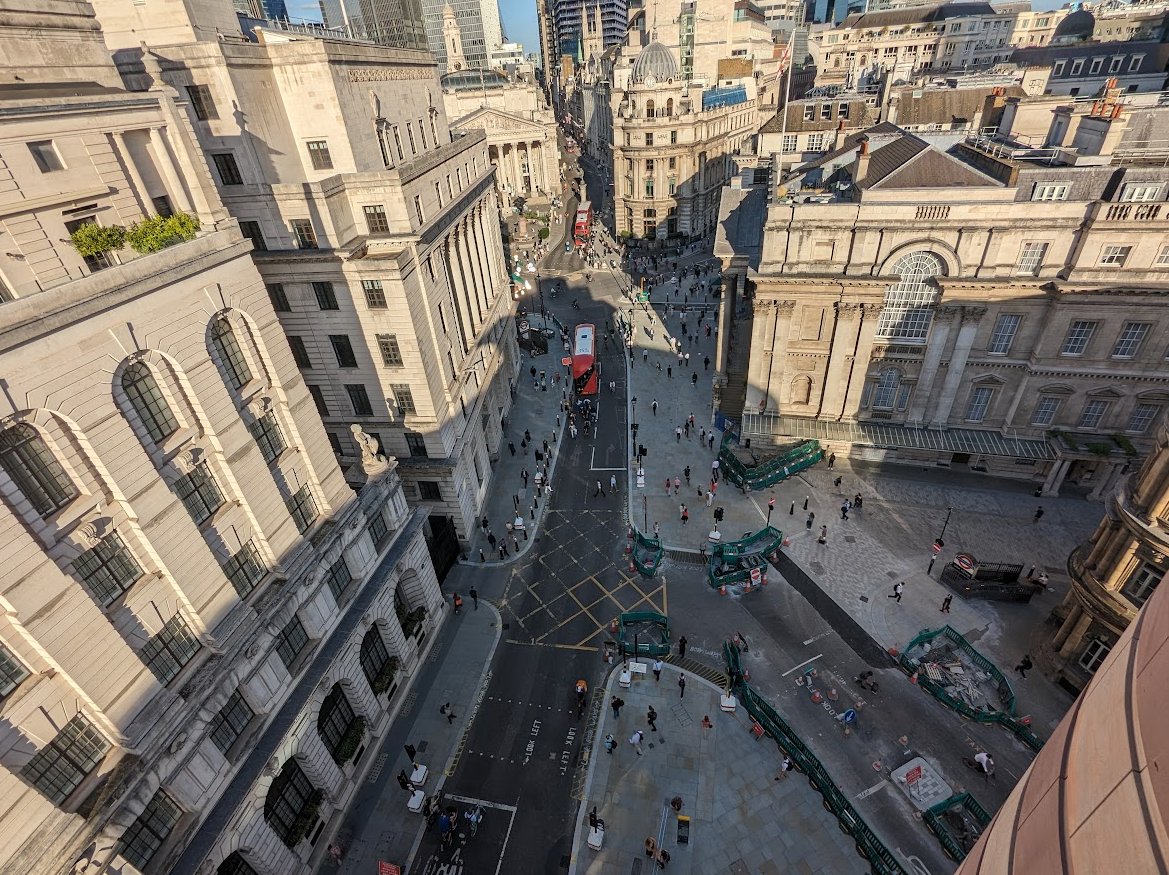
point(27, 459)
point(149, 402)
point(291, 796)
point(376, 663)
point(235, 864)
point(670, 106)
point(649, 109)
point(338, 726)
point(885, 392)
point(909, 302)
point(231, 355)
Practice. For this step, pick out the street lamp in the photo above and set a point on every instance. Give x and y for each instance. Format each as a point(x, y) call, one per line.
point(770, 508)
point(540, 287)
point(644, 513)
point(938, 544)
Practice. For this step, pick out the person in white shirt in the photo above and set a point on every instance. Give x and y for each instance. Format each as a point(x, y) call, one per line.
point(985, 762)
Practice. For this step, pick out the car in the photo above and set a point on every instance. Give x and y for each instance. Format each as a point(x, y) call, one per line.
point(568, 246)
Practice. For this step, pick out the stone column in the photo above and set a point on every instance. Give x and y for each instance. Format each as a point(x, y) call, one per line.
point(166, 168)
point(840, 361)
point(938, 338)
point(870, 316)
point(762, 357)
point(141, 194)
point(466, 281)
point(1074, 617)
point(1104, 483)
point(475, 257)
point(971, 316)
point(492, 275)
point(1074, 639)
point(1055, 476)
point(516, 174)
point(457, 297)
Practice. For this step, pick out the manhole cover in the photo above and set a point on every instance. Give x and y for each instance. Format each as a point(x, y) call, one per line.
point(864, 598)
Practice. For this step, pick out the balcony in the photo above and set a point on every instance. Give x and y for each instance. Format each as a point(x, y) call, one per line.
point(1133, 212)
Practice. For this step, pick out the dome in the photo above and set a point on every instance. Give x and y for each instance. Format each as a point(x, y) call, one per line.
point(655, 62)
point(1077, 26)
point(473, 79)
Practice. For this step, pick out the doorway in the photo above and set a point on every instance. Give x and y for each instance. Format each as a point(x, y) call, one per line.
point(443, 542)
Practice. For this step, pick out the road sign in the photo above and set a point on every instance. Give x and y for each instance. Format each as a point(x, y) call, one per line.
point(913, 775)
point(384, 868)
point(756, 575)
point(566, 361)
point(936, 547)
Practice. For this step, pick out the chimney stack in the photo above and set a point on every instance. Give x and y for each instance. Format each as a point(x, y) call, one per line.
point(838, 137)
point(862, 159)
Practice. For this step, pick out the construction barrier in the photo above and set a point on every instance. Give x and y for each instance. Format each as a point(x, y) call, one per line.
point(961, 808)
point(771, 470)
point(647, 553)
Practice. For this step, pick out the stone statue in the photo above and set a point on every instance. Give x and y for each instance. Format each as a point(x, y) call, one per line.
point(371, 461)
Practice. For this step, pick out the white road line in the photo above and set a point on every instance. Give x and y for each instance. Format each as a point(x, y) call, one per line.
point(817, 637)
point(468, 800)
point(801, 665)
point(865, 794)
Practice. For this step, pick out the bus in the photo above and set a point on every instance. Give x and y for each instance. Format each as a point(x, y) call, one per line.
point(583, 223)
point(586, 369)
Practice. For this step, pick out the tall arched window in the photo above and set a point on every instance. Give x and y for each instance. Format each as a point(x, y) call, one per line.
point(337, 725)
point(670, 106)
point(149, 402)
point(231, 355)
point(649, 109)
point(885, 392)
point(909, 302)
point(27, 459)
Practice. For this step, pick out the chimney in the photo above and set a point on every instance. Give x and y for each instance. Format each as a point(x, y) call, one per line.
point(838, 138)
point(862, 160)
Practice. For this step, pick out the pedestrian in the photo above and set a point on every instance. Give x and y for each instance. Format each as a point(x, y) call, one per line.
point(676, 804)
point(685, 515)
point(515, 545)
point(686, 474)
point(482, 558)
point(448, 712)
point(654, 407)
point(616, 704)
point(635, 740)
point(670, 372)
point(702, 435)
point(612, 482)
point(823, 539)
point(524, 476)
point(511, 447)
point(844, 510)
point(657, 670)
point(651, 716)
point(677, 485)
point(1038, 513)
point(857, 501)
point(474, 593)
point(458, 601)
point(669, 483)
point(837, 482)
point(610, 743)
point(681, 686)
point(946, 604)
point(784, 767)
point(1024, 665)
point(898, 589)
point(657, 529)
point(706, 724)
point(709, 498)
point(599, 491)
point(491, 540)
point(831, 461)
point(710, 438)
point(678, 434)
point(694, 379)
point(682, 642)
point(706, 361)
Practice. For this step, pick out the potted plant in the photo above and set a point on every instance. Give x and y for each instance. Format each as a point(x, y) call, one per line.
point(92, 240)
point(159, 232)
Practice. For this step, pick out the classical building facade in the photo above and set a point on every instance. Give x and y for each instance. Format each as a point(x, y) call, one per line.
point(376, 229)
point(181, 548)
point(969, 307)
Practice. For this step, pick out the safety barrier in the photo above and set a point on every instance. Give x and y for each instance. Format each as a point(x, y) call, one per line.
point(643, 633)
point(741, 557)
point(1006, 717)
point(647, 553)
point(868, 844)
point(933, 817)
point(790, 461)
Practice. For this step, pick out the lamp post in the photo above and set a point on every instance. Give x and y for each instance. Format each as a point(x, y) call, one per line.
point(540, 287)
point(770, 508)
point(645, 513)
point(938, 544)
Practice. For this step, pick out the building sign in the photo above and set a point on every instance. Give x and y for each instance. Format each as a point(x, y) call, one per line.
point(389, 74)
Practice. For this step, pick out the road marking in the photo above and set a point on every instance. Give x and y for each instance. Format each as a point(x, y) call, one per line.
point(467, 800)
point(801, 665)
point(865, 794)
point(817, 637)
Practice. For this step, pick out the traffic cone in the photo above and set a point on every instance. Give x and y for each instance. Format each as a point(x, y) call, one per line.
point(816, 697)
point(629, 533)
point(913, 678)
point(763, 580)
point(632, 567)
point(832, 694)
point(747, 587)
point(722, 589)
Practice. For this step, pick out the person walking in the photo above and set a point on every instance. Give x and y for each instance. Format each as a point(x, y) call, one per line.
point(831, 461)
point(448, 711)
point(823, 539)
point(491, 540)
point(1024, 665)
point(710, 498)
point(946, 604)
point(678, 434)
point(599, 491)
point(635, 740)
point(610, 743)
point(657, 670)
point(685, 515)
point(677, 485)
point(710, 439)
point(651, 716)
point(654, 407)
point(669, 483)
point(616, 704)
point(844, 510)
point(898, 589)
point(784, 767)
point(412, 752)
point(474, 593)
point(811, 519)
point(458, 602)
point(686, 474)
point(511, 447)
point(681, 686)
point(1038, 513)
point(404, 782)
point(682, 642)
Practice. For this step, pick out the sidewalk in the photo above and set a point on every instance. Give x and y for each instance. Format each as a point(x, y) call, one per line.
point(742, 819)
point(377, 825)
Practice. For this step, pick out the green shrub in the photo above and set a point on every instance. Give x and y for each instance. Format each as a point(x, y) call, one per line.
point(350, 741)
point(94, 239)
point(544, 233)
point(305, 819)
point(159, 232)
point(382, 680)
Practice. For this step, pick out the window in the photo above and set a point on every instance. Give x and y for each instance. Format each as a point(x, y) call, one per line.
point(141, 841)
point(422, 133)
point(44, 153)
point(199, 493)
point(148, 402)
point(1058, 69)
point(418, 210)
point(326, 297)
point(202, 103)
point(826, 112)
point(231, 355)
point(842, 111)
point(107, 568)
point(1095, 67)
point(391, 353)
point(1046, 409)
point(410, 137)
point(333, 722)
point(338, 578)
point(417, 445)
point(227, 169)
point(1050, 193)
point(979, 402)
point(1141, 418)
point(1094, 655)
point(318, 153)
point(267, 434)
point(1092, 413)
point(373, 655)
point(245, 569)
point(12, 671)
point(302, 508)
point(378, 528)
point(673, 138)
point(375, 295)
point(1114, 64)
point(291, 642)
point(170, 649)
point(909, 302)
point(1030, 259)
point(359, 399)
point(649, 186)
point(318, 399)
point(1004, 333)
point(1077, 66)
point(1134, 63)
point(404, 398)
point(376, 220)
point(1128, 343)
point(428, 490)
point(1116, 255)
point(885, 390)
point(162, 205)
point(231, 722)
point(251, 230)
point(28, 461)
point(290, 794)
point(671, 185)
point(1141, 193)
point(789, 143)
point(299, 352)
point(278, 298)
point(306, 237)
point(95, 261)
point(398, 143)
point(649, 139)
point(1141, 583)
point(58, 768)
point(234, 864)
point(343, 350)
point(1079, 334)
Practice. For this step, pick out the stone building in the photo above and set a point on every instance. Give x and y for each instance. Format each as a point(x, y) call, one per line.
point(991, 306)
point(1116, 571)
point(205, 630)
point(376, 230)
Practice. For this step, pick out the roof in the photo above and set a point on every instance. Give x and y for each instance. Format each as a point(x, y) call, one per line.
point(474, 79)
point(657, 61)
point(916, 15)
point(920, 106)
point(882, 130)
point(911, 162)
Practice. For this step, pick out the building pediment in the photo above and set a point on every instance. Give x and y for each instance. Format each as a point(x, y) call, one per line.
point(495, 121)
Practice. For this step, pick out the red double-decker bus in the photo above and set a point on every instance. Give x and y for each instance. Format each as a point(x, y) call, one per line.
point(586, 370)
point(583, 223)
